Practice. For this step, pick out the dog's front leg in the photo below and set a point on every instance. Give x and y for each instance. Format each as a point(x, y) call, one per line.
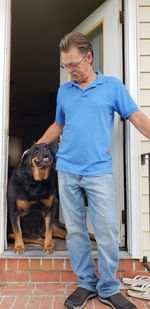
point(18, 245)
point(48, 243)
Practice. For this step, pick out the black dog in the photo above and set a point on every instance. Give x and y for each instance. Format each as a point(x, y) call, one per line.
point(32, 186)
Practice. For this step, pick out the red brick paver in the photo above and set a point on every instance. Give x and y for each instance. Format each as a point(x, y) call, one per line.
point(47, 296)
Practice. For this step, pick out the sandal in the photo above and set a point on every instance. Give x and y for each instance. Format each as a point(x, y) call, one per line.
point(140, 288)
point(137, 280)
point(143, 295)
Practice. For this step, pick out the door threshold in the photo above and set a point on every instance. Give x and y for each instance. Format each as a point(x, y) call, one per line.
point(58, 254)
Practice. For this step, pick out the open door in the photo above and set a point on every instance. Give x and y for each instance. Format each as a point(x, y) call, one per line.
point(104, 30)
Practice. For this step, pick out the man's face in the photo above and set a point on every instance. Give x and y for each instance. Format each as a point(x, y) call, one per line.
point(76, 64)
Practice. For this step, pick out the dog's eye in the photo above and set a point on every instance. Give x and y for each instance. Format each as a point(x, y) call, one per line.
point(35, 151)
point(45, 150)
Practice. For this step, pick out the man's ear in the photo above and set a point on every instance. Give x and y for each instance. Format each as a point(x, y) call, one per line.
point(89, 57)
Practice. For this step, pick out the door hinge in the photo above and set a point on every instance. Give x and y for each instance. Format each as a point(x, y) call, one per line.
point(123, 217)
point(121, 17)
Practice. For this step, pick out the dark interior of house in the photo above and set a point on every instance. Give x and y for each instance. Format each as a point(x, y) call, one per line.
point(37, 27)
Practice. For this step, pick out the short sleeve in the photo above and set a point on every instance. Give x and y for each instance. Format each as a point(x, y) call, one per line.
point(124, 104)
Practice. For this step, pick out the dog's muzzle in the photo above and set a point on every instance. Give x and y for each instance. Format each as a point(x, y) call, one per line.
point(42, 163)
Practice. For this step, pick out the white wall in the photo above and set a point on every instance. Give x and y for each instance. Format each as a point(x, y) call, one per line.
point(144, 100)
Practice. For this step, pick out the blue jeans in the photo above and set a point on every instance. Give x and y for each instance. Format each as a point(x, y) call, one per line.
point(103, 215)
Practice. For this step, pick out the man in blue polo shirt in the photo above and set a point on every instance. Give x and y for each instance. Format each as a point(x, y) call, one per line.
point(88, 116)
point(85, 118)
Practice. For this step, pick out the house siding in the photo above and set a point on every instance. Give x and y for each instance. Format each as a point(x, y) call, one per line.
point(143, 29)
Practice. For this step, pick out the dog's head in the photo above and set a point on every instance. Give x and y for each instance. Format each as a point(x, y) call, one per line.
point(40, 158)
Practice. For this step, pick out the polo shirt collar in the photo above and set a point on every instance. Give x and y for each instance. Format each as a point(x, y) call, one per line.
point(98, 81)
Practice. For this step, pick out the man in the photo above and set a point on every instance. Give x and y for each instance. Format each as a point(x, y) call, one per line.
point(85, 117)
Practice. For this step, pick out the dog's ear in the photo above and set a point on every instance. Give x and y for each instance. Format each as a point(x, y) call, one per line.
point(24, 157)
point(54, 147)
point(53, 152)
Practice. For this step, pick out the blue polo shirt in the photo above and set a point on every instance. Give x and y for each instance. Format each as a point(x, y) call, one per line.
point(88, 119)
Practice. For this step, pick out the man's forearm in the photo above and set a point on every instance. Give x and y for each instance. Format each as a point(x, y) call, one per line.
point(51, 134)
point(141, 122)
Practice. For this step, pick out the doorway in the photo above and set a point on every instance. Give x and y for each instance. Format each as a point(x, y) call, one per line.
point(36, 30)
point(35, 68)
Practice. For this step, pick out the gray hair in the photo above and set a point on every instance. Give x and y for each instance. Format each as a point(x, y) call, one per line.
point(78, 40)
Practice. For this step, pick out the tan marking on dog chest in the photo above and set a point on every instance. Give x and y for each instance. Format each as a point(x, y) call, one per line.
point(24, 205)
point(48, 202)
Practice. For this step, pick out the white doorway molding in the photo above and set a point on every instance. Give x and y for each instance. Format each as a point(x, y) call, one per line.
point(132, 135)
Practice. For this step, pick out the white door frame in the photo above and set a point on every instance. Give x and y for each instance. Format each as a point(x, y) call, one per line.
point(132, 135)
point(5, 23)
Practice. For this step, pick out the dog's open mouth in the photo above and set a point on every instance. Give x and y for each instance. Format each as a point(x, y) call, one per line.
point(42, 163)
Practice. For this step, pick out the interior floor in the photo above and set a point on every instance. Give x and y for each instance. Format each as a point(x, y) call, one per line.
point(37, 250)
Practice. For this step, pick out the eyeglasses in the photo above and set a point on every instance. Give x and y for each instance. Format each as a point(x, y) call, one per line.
point(72, 66)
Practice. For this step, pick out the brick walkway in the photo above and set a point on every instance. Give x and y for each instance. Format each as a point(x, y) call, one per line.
point(46, 296)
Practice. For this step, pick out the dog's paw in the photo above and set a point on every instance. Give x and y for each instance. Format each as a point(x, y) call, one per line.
point(49, 247)
point(19, 248)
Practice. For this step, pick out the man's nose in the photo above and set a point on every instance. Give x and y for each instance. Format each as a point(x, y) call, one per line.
point(70, 69)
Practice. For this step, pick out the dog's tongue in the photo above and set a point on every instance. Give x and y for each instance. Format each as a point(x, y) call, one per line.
point(46, 159)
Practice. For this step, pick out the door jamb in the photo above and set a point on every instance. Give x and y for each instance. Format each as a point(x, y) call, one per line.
point(5, 26)
point(132, 135)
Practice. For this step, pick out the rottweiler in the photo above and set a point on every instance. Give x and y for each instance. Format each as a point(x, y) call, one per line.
point(32, 186)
